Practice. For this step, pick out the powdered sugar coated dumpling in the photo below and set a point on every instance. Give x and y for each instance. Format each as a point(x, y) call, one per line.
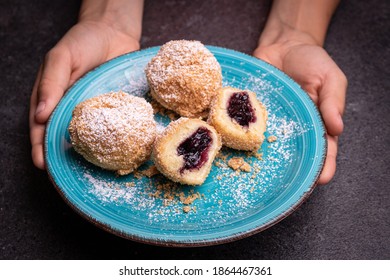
point(115, 131)
point(184, 77)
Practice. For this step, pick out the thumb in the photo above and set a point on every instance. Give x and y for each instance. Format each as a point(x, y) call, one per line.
point(269, 56)
point(329, 169)
point(54, 81)
point(331, 101)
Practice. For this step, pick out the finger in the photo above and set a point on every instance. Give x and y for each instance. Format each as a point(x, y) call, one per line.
point(332, 101)
point(37, 133)
point(36, 130)
point(330, 162)
point(54, 81)
point(34, 96)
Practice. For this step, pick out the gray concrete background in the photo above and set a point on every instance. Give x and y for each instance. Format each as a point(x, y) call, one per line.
point(346, 219)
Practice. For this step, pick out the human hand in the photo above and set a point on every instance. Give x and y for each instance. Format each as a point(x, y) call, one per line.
point(86, 45)
point(311, 66)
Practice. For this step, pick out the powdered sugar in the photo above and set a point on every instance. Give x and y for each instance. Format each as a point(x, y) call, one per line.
point(177, 58)
point(184, 76)
point(227, 195)
point(113, 192)
point(108, 129)
point(111, 118)
point(136, 83)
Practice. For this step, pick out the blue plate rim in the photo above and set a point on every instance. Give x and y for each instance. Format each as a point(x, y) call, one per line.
point(185, 243)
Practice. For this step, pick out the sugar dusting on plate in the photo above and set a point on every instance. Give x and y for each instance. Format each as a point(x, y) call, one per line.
point(227, 195)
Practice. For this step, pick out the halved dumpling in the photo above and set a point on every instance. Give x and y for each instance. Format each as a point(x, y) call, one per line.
point(184, 152)
point(239, 118)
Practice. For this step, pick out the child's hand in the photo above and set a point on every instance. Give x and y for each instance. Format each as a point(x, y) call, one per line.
point(312, 67)
point(86, 45)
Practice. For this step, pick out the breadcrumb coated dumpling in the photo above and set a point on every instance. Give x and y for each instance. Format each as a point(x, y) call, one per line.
point(115, 131)
point(184, 152)
point(239, 118)
point(184, 76)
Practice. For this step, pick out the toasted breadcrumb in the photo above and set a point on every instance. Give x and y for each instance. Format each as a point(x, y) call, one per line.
point(173, 195)
point(259, 156)
point(137, 174)
point(245, 167)
point(235, 163)
point(238, 163)
point(150, 172)
point(189, 199)
point(272, 138)
point(158, 108)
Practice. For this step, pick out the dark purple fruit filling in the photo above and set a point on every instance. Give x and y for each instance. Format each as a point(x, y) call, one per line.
point(195, 149)
point(240, 108)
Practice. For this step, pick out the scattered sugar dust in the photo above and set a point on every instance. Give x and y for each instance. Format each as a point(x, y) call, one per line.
point(228, 194)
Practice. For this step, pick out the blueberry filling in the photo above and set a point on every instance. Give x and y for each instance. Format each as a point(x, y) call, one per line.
point(195, 149)
point(240, 108)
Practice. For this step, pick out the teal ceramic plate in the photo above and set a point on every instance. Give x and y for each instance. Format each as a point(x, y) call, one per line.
point(229, 205)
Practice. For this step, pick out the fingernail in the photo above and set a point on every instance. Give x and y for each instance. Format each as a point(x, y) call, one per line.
point(40, 107)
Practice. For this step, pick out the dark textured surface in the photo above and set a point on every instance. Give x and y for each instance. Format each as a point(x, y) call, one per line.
point(346, 219)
